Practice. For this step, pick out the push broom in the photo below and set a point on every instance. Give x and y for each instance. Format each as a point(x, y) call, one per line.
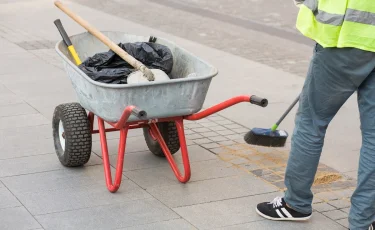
point(270, 137)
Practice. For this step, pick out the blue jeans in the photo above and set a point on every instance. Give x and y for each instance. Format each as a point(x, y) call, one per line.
point(334, 75)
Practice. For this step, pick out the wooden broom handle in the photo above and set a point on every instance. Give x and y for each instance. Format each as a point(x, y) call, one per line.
point(120, 52)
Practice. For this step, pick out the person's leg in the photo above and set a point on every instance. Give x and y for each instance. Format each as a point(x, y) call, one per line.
point(362, 211)
point(333, 77)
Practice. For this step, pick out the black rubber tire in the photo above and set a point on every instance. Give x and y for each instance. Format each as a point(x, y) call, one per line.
point(78, 140)
point(169, 132)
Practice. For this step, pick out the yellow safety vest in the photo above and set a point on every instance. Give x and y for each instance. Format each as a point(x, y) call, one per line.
point(339, 23)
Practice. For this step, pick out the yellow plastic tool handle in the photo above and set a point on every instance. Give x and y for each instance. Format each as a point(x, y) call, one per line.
point(67, 41)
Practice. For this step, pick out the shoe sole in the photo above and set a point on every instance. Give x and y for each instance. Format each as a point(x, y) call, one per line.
point(283, 219)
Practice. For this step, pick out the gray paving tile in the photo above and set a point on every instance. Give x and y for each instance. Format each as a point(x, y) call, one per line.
point(216, 118)
point(57, 180)
point(218, 138)
point(179, 224)
point(217, 128)
point(145, 160)
point(235, 137)
point(317, 222)
point(163, 176)
point(209, 124)
point(33, 164)
point(346, 210)
point(241, 130)
point(323, 207)
point(70, 189)
point(7, 199)
point(210, 145)
point(340, 203)
point(217, 214)
point(23, 121)
point(17, 218)
point(233, 126)
point(126, 214)
point(335, 214)
point(36, 132)
point(219, 150)
point(133, 144)
point(16, 109)
point(8, 47)
point(344, 222)
point(327, 196)
point(9, 99)
point(225, 132)
point(210, 190)
point(140, 160)
point(194, 136)
point(196, 153)
point(42, 87)
point(226, 143)
point(210, 134)
point(202, 141)
point(224, 122)
point(21, 147)
point(201, 130)
point(201, 121)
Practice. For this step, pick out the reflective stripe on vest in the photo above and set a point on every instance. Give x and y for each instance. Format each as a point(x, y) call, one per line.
point(339, 23)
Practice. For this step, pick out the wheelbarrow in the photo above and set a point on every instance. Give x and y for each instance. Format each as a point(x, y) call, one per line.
point(159, 108)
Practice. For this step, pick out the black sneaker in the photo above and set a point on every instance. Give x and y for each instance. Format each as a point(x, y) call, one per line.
point(278, 210)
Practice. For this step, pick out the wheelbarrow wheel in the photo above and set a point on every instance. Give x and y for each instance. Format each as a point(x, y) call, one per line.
point(169, 132)
point(71, 134)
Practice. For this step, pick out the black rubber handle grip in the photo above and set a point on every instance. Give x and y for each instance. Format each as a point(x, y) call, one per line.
point(63, 33)
point(263, 102)
point(139, 113)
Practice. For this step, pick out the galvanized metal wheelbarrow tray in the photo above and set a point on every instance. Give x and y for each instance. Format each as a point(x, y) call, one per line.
point(150, 105)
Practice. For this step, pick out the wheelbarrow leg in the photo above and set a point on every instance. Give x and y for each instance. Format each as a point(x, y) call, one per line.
point(185, 157)
point(120, 158)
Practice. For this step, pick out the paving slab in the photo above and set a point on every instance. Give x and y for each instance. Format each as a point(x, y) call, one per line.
point(133, 144)
point(145, 159)
point(34, 164)
point(335, 214)
point(23, 121)
point(323, 207)
point(9, 99)
point(16, 109)
point(42, 87)
point(57, 180)
point(214, 215)
point(62, 192)
point(344, 222)
point(317, 222)
point(164, 225)
point(17, 218)
point(21, 63)
point(340, 203)
point(7, 199)
point(162, 176)
point(7, 47)
point(126, 214)
point(25, 146)
point(210, 190)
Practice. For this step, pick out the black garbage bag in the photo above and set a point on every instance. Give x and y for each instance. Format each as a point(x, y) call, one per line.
point(108, 67)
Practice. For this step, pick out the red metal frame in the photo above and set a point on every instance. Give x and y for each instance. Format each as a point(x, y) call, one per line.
point(123, 126)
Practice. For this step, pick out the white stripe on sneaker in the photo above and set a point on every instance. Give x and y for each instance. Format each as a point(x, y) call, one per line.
point(286, 213)
point(279, 213)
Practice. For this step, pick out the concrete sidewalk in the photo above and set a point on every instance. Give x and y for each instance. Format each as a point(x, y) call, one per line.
point(228, 177)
